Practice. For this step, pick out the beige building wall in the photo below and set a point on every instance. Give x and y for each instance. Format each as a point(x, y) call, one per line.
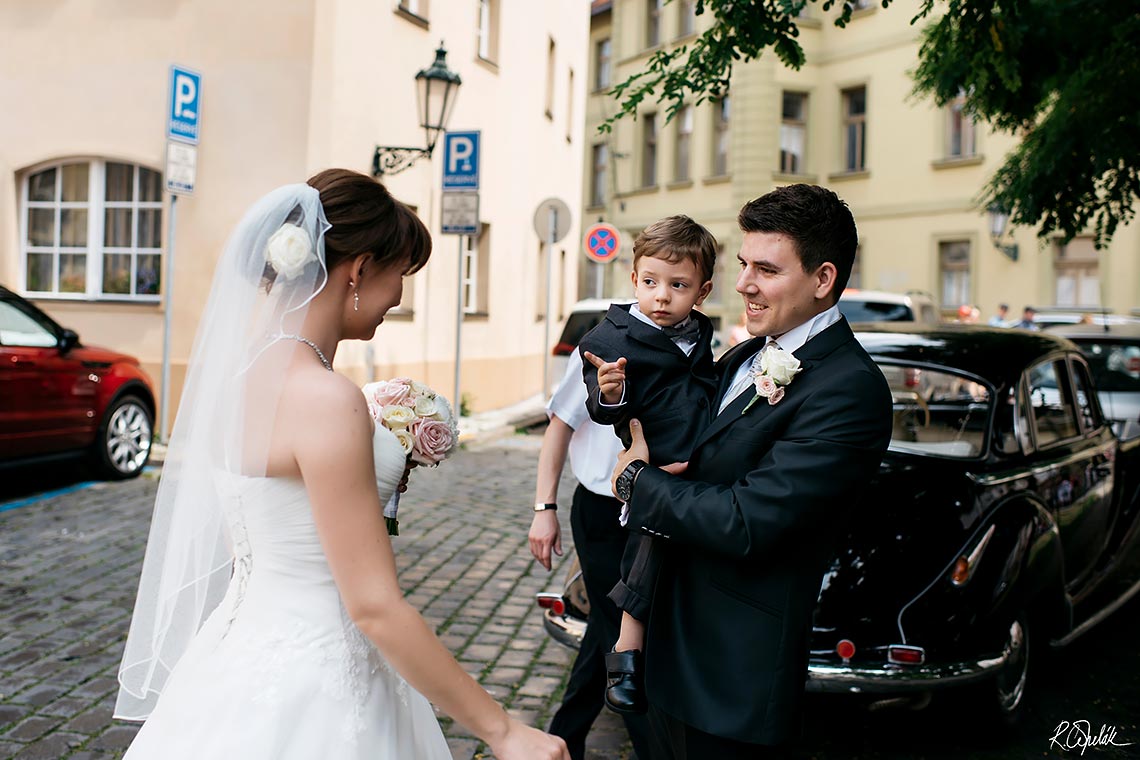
point(911, 197)
point(290, 87)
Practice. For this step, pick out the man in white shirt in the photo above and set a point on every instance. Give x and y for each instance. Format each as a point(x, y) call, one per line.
point(599, 541)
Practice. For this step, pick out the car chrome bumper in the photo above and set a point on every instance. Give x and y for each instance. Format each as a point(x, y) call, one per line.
point(566, 630)
point(887, 679)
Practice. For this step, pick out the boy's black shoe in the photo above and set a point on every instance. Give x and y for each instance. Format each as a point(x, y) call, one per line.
point(625, 692)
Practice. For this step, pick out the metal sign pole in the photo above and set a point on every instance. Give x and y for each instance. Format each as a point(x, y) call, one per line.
point(164, 398)
point(551, 238)
point(458, 321)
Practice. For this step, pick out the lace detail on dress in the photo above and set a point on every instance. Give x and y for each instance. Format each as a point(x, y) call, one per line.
point(243, 562)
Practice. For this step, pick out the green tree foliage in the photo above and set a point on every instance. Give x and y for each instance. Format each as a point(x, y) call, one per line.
point(1061, 75)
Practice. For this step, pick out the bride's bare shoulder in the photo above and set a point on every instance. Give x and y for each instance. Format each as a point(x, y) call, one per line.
point(323, 397)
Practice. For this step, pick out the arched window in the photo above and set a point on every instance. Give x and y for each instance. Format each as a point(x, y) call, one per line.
point(92, 229)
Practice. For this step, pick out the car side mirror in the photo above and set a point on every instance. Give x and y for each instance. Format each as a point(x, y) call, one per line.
point(68, 339)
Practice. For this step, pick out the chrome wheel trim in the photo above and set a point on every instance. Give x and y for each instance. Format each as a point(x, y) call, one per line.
point(128, 438)
point(1011, 681)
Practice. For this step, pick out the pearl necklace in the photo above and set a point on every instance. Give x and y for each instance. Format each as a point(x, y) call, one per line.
point(312, 345)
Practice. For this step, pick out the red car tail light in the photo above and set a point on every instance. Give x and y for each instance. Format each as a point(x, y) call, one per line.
point(901, 654)
point(845, 649)
point(562, 349)
point(553, 602)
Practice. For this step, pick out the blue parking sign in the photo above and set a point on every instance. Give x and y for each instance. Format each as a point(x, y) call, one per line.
point(461, 161)
point(184, 116)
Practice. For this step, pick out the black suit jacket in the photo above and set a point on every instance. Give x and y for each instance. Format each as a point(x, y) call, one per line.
point(669, 393)
point(752, 525)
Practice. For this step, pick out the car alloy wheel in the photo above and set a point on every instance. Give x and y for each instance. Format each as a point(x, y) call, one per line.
point(126, 437)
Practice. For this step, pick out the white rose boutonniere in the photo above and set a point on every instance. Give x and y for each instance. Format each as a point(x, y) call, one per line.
point(777, 369)
point(289, 250)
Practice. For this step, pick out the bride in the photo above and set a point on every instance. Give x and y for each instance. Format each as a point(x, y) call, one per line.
point(269, 622)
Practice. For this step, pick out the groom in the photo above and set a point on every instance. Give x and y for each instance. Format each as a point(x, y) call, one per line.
point(752, 522)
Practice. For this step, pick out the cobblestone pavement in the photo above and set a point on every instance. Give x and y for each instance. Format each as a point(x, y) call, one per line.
point(69, 570)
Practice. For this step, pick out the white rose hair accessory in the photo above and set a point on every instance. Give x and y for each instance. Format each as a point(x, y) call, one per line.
point(289, 251)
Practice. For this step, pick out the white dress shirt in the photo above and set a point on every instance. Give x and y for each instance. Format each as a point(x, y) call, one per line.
point(791, 341)
point(594, 448)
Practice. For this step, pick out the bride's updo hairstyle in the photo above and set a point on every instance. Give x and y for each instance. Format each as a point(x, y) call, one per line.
point(365, 218)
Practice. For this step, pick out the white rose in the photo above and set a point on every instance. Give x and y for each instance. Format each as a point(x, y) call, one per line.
point(443, 411)
point(289, 250)
point(420, 389)
point(396, 417)
point(425, 406)
point(406, 440)
point(780, 365)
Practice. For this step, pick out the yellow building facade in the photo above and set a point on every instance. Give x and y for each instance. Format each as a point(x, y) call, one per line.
point(289, 87)
point(910, 171)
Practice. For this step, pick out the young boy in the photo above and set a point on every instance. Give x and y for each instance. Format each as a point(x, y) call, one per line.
point(663, 346)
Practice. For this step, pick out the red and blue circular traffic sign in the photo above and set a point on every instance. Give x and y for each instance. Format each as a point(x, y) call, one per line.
point(603, 243)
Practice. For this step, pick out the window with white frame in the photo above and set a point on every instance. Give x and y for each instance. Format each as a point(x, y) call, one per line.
point(954, 265)
point(793, 132)
point(961, 133)
point(550, 59)
point(488, 30)
point(721, 114)
point(648, 150)
point(476, 271)
point(92, 229)
point(600, 172)
point(687, 17)
point(415, 7)
point(570, 105)
point(603, 53)
point(1076, 272)
point(653, 22)
point(682, 146)
point(855, 129)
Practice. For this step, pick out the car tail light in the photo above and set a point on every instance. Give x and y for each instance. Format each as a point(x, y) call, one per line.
point(961, 572)
point(911, 376)
point(562, 348)
point(845, 649)
point(901, 654)
point(553, 602)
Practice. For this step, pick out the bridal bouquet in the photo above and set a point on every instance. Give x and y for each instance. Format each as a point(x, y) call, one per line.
point(422, 422)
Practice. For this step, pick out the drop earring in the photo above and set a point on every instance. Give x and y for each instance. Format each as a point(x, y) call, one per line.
point(355, 300)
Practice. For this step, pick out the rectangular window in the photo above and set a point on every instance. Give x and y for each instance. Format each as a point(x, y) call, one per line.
point(550, 80)
point(960, 130)
point(686, 17)
point(1050, 403)
point(488, 31)
point(602, 56)
point(954, 265)
point(95, 229)
point(793, 132)
point(653, 22)
point(476, 271)
point(648, 150)
point(683, 144)
point(599, 174)
point(415, 7)
point(569, 105)
point(721, 113)
point(1076, 271)
point(855, 129)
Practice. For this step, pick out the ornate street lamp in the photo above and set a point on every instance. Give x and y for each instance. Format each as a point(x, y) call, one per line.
point(999, 217)
point(436, 89)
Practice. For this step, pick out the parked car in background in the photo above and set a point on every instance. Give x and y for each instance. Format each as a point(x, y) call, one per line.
point(1054, 316)
point(880, 306)
point(60, 399)
point(1113, 353)
point(1003, 519)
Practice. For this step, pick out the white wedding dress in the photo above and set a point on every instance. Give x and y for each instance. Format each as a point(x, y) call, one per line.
point(279, 671)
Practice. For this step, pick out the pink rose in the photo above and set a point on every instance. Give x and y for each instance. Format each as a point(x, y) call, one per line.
point(396, 392)
point(765, 386)
point(775, 397)
point(434, 440)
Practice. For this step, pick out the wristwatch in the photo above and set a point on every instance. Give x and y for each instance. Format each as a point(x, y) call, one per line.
point(626, 478)
point(542, 507)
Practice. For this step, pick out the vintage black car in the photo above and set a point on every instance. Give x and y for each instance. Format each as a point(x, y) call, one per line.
point(1002, 520)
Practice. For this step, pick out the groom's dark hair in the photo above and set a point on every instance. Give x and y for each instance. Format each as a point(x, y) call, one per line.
point(816, 219)
point(365, 218)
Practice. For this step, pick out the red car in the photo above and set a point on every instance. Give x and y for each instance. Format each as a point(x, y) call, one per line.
point(59, 398)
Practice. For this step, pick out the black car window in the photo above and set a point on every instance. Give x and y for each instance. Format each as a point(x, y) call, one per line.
point(18, 328)
point(937, 413)
point(1115, 365)
point(1086, 400)
point(1051, 404)
point(872, 311)
point(578, 324)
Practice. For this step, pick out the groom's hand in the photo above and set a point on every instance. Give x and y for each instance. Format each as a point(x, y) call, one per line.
point(638, 449)
point(611, 376)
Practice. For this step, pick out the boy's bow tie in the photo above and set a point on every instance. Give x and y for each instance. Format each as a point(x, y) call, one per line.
point(688, 330)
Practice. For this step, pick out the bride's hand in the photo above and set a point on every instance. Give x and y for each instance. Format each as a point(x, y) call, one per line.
point(521, 742)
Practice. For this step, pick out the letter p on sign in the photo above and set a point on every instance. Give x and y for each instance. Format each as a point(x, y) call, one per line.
point(461, 161)
point(183, 120)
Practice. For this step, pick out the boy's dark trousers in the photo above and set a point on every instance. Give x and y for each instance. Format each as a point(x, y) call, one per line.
point(600, 542)
point(640, 564)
